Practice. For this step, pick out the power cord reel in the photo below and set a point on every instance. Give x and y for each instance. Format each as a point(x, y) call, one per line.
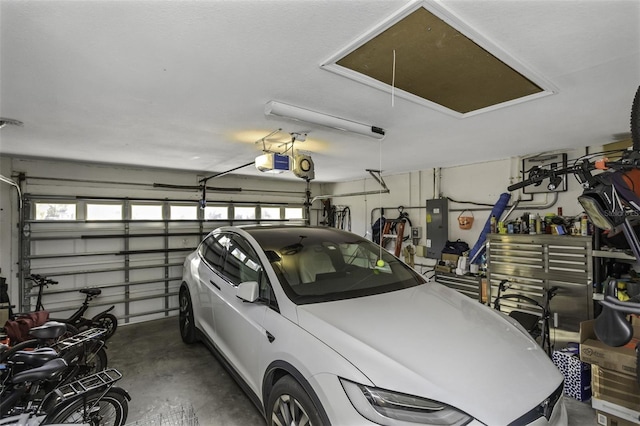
point(303, 166)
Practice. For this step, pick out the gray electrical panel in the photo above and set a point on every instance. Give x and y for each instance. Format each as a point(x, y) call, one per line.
point(437, 226)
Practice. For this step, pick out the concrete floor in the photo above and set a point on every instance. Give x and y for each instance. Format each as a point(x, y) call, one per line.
point(163, 375)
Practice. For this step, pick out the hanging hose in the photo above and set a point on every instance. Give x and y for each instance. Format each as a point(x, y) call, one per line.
point(404, 216)
point(343, 219)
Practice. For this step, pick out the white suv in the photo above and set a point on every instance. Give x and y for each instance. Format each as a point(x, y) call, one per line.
point(323, 327)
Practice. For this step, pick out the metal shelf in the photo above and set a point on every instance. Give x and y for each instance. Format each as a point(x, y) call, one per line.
point(534, 263)
point(469, 285)
point(613, 254)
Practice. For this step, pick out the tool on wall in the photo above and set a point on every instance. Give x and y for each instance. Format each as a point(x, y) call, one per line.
point(394, 231)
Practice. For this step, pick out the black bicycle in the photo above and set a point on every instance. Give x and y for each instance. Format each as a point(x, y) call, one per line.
point(610, 198)
point(92, 400)
point(104, 319)
point(83, 353)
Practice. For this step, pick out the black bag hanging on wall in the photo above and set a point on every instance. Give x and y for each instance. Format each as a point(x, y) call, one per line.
point(376, 230)
point(455, 247)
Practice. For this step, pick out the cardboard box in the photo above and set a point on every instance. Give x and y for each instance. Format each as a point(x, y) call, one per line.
point(607, 419)
point(577, 374)
point(442, 268)
point(595, 352)
point(450, 259)
point(616, 387)
point(616, 410)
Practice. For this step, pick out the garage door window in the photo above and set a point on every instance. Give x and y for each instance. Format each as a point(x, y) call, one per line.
point(55, 211)
point(244, 213)
point(293, 213)
point(146, 212)
point(184, 212)
point(104, 212)
point(216, 213)
point(270, 213)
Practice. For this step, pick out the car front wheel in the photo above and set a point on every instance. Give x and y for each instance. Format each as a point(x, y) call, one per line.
point(187, 326)
point(289, 405)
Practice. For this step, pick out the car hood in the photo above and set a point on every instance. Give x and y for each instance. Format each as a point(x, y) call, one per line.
point(433, 342)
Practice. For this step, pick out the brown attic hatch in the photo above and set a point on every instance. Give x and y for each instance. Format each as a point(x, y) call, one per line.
point(434, 64)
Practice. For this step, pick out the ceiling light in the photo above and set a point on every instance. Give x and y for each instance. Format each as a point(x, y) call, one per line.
point(301, 114)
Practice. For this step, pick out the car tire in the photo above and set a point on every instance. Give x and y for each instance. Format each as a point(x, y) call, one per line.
point(187, 326)
point(289, 404)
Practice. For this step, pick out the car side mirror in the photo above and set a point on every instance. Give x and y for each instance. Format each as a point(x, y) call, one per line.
point(248, 291)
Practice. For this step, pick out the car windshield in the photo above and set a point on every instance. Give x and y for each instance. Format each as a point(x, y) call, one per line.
point(324, 264)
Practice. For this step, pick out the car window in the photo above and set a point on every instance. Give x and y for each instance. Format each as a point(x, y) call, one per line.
point(242, 264)
point(320, 264)
point(213, 250)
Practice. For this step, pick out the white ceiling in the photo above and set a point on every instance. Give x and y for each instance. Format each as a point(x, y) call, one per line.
point(183, 84)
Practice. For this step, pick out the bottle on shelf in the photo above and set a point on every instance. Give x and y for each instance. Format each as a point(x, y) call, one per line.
point(532, 224)
point(584, 225)
point(493, 224)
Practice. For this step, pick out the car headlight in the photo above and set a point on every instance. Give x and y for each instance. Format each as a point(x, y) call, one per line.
point(392, 408)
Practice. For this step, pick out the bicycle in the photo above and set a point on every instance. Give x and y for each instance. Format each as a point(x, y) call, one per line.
point(83, 354)
point(609, 199)
point(103, 319)
point(43, 336)
point(92, 400)
point(537, 325)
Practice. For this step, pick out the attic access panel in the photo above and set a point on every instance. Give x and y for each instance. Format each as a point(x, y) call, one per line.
point(432, 58)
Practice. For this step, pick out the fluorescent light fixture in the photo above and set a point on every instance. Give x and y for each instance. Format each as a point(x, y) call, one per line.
point(296, 113)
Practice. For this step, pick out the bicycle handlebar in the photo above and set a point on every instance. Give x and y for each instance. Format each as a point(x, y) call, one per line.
point(523, 183)
point(42, 280)
point(630, 160)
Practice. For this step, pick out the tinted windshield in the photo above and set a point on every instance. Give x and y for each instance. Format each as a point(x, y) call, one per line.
point(322, 264)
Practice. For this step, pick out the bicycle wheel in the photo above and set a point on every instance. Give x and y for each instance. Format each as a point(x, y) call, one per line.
point(108, 322)
point(82, 364)
point(108, 410)
point(96, 361)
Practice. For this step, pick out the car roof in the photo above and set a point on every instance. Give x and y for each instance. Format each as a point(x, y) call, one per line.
point(279, 235)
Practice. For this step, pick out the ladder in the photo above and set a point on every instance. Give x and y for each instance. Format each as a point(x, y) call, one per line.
point(398, 236)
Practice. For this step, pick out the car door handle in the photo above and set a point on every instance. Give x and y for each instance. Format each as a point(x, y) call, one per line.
point(214, 284)
point(271, 337)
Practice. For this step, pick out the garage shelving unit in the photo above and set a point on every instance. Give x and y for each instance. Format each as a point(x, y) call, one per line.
point(537, 262)
point(136, 263)
point(469, 285)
